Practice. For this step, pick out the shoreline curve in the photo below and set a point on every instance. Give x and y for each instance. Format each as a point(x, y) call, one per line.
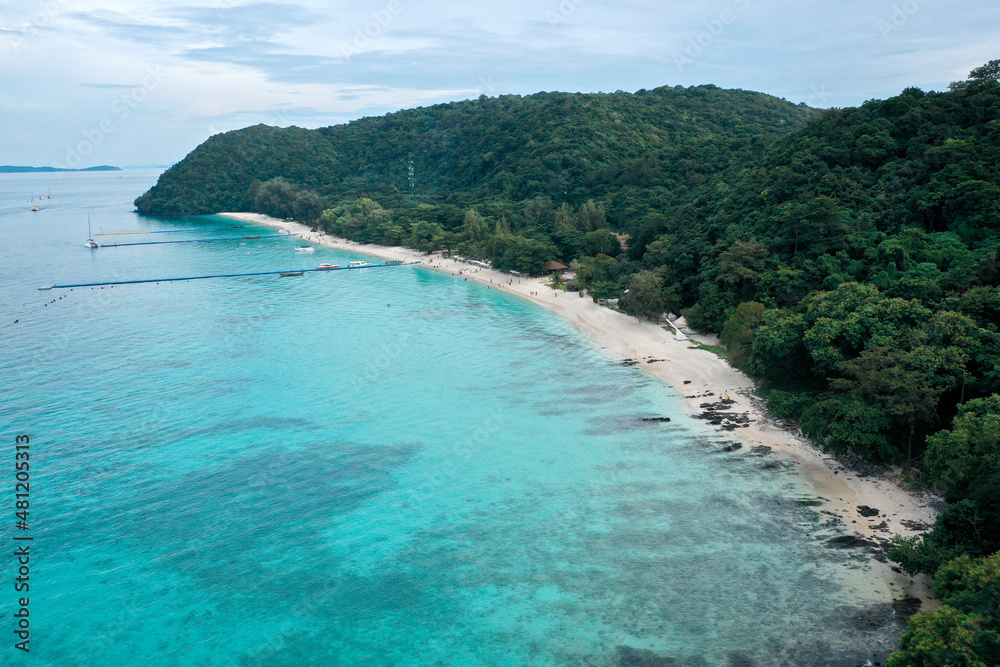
point(701, 376)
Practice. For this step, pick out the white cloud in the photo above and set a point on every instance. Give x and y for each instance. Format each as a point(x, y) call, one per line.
point(229, 62)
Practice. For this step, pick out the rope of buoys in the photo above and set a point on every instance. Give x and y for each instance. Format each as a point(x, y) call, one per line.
point(112, 283)
point(34, 310)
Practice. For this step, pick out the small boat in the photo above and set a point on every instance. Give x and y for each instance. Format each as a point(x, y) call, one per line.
point(305, 248)
point(91, 243)
point(35, 208)
point(324, 267)
point(251, 237)
point(393, 261)
point(355, 265)
point(285, 274)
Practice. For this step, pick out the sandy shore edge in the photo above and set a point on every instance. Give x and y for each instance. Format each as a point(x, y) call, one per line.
point(701, 377)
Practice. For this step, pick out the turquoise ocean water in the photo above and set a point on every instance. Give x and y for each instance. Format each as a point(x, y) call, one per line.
point(387, 467)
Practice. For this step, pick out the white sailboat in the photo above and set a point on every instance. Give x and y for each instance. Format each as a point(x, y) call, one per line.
point(91, 243)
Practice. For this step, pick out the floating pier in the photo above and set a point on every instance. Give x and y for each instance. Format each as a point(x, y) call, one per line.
point(221, 238)
point(172, 231)
point(227, 275)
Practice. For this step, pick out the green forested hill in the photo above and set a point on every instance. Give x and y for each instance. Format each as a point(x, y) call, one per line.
point(857, 194)
point(850, 259)
point(640, 151)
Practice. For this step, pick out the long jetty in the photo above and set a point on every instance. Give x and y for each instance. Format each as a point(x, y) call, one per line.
point(171, 231)
point(227, 275)
point(215, 240)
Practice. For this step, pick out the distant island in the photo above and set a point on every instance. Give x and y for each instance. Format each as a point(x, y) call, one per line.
point(11, 169)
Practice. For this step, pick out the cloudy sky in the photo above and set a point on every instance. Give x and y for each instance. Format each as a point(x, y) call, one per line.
point(142, 82)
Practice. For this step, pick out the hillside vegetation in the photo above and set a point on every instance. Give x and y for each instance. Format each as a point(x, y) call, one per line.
point(650, 146)
point(849, 258)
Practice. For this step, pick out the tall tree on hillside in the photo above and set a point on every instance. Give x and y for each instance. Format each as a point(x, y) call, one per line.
point(643, 297)
point(475, 226)
point(565, 219)
point(819, 226)
point(988, 72)
point(591, 216)
point(740, 265)
point(982, 74)
point(956, 458)
point(308, 206)
point(892, 378)
point(275, 197)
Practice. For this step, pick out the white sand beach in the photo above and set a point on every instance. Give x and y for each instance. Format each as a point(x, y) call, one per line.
point(701, 376)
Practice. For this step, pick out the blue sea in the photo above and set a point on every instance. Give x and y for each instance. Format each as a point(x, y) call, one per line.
point(379, 467)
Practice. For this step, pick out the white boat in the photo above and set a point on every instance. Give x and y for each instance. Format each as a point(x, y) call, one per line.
point(35, 208)
point(305, 248)
point(91, 243)
point(354, 265)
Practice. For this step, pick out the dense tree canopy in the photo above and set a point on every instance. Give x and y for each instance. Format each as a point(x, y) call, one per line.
point(630, 152)
point(850, 258)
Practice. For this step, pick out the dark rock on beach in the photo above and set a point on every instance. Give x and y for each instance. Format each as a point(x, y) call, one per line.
point(906, 607)
point(760, 450)
point(915, 525)
point(732, 447)
point(864, 510)
point(716, 415)
point(850, 542)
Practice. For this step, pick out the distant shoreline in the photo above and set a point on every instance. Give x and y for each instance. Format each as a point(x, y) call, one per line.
point(699, 376)
point(12, 169)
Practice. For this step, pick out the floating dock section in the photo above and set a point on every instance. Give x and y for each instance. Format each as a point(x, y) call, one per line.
point(171, 231)
point(112, 283)
point(221, 238)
